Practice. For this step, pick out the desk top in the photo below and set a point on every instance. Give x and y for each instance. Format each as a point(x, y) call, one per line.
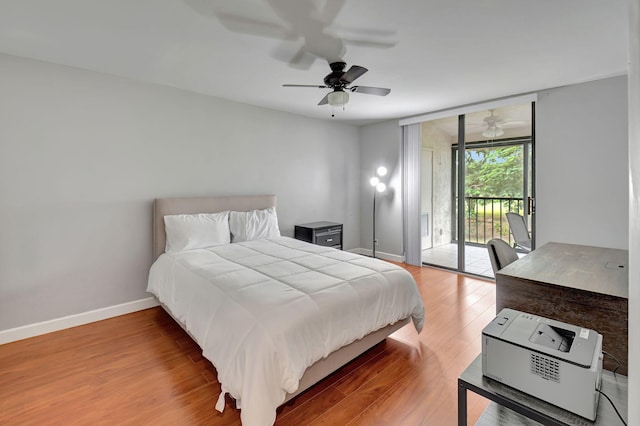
point(596, 269)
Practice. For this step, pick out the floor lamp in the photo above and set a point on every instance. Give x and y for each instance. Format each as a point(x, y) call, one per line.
point(377, 187)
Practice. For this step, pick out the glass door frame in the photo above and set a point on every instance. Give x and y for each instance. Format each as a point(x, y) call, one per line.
point(458, 172)
point(526, 201)
point(461, 189)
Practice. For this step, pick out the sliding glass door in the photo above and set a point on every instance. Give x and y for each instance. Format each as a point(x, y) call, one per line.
point(481, 168)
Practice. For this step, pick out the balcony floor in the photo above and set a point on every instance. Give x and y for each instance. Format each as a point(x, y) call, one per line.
point(476, 258)
point(446, 256)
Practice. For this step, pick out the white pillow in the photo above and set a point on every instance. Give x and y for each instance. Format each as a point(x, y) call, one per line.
point(193, 231)
point(253, 225)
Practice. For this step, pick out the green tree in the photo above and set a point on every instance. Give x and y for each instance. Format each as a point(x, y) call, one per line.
point(494, 172)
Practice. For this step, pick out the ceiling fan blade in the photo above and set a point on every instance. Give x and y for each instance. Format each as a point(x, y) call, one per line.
point(513, 123)
point(370, 90)
point(304, 85)
point(354, 72)
point(324, 100)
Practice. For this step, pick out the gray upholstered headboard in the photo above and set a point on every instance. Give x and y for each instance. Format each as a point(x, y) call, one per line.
point(167, 206)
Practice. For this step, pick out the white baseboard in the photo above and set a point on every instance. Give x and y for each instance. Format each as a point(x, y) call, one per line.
point(39, 328)
point(379, 255)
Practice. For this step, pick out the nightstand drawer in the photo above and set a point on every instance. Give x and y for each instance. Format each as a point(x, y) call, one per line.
point(328, 234)
point(329, 238)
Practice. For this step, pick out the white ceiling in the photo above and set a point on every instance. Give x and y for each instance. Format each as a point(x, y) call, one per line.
point(433, 54)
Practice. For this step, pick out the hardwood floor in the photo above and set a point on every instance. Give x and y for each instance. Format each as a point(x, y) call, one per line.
point(142, 368)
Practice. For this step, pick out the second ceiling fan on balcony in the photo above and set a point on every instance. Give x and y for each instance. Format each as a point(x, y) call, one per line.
point(493, 126)
point(493, 129)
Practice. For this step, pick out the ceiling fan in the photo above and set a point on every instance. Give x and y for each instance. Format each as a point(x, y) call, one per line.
point(492, 122)
point(340, 81)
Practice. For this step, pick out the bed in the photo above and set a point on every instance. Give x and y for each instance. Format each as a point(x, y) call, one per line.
point(274, 315)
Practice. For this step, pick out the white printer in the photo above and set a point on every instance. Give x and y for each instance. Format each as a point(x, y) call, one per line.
point(551, 360)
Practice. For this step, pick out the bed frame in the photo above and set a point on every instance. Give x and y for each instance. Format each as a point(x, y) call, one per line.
point(317, 371)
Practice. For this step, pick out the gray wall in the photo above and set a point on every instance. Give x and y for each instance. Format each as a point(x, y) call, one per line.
point(582, 163)
point(380, 145)
point(581, 166)
point(634, 211)
point(82, 155)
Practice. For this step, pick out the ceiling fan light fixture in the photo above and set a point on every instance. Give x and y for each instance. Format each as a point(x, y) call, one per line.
point(493, 132)
point(338, 98)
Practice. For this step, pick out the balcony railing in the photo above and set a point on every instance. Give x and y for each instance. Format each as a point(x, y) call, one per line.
point(485, 218)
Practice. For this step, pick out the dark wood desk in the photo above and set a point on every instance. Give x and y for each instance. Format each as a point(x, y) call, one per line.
point(580, 285)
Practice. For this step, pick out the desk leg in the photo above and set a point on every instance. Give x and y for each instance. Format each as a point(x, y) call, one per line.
point(462, 404)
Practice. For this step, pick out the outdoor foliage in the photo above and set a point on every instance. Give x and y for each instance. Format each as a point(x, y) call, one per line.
point(494, 180)
point(494, 172)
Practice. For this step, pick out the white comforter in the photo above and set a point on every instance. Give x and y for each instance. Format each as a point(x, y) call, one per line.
point(263, 311)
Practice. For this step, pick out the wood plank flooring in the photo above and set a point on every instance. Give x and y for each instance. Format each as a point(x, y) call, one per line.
point(142, 368)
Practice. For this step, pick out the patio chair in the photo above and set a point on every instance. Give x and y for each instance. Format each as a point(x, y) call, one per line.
point(519, 232)
point(501, 254)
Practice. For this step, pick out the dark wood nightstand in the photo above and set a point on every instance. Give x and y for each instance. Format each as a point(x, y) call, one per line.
point(322, 233)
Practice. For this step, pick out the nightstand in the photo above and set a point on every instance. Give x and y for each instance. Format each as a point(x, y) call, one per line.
point(321, 233)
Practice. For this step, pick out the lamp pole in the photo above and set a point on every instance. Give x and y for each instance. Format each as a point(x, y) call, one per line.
point(377, 187)
point(374, 222)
